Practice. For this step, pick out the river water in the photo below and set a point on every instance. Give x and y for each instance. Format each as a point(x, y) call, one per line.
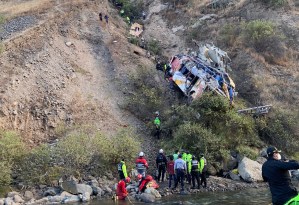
point(244, 197)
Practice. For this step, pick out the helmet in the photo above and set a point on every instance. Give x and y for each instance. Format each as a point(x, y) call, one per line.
point(202, 154)
point(161, 151)
point(157, 113)
point(128, 180)
point(141, 154)
point(139, 176)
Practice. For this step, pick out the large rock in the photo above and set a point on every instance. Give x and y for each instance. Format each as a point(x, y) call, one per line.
point(52, 192)
point(153, 192)
point(249, 170)
point(85, 197)
point(9, 201)
point(71, 199)
point(28, 195)
point(18, 199)
point(234, 176)
point(97, 191)
point(74, 188)
point(147, 198)
point(1, 202)
point(55, 199)
point(12, 194)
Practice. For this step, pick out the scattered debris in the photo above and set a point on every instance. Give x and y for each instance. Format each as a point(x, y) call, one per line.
point(256, 111)
point(68, 43)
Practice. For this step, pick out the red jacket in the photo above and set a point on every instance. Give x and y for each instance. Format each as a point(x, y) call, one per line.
point(170, 167)
point(141, 160)
point(121, 190)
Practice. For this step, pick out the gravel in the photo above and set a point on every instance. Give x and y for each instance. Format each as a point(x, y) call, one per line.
point(15, 25)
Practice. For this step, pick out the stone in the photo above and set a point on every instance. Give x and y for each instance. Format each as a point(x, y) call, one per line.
point(107, 189)
point(147, 198)
point(28, 195)
point(51, 192)
point(261, 160)
point(65, 194)
point(250, 171)
point(153, 192)
point(68, 43)
point(85, 197)
point(97, 191)
point(42, 186)
point(9, 201)
point(234, 177)
point(212, 170)
point(1, 202)
point(94, 183)
point(74, 188)
point(12, 194)
point(71, 199)
point(18, 199)
point(55, 198)
point(40, 201)
point(232, 163)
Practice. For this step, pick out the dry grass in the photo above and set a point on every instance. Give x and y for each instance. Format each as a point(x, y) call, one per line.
point(12, 9)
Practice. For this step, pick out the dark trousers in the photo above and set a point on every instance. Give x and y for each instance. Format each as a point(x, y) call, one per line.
point(161, 171)
point(171, 177)
point(195, 175)
point(121, 175)
point(188, 175)
point(180, 174)
point(204, 178)
point(158, 133)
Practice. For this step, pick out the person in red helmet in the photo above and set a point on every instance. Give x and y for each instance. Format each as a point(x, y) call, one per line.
point(141, 164)
point(121, 191)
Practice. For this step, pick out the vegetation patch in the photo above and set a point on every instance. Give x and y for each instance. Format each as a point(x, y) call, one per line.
point(154, 47)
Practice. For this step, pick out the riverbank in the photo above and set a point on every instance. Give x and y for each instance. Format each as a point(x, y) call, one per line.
point(103, 189)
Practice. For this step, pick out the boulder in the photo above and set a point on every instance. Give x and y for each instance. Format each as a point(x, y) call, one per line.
point(97, 191)
point(9, 201)
point(153, 192)
point(85, 197)
point(64, 194)
point(249, 170)
point(261, 160)
point(55, 198)
point(212, 170)
point(94, 183)
point(1, 202)
point(18, 199)
point(71, 199)
point(74, 188)
point(12, 194)
point(28, 195)
point(234, 176)
point(147, 198)
point(52, 192)
point(232, 163)
point(295, 174)
point(107, 189)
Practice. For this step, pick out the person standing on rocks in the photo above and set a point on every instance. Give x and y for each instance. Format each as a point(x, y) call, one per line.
point(122, 169)
point(276, 173)
point(106, 18)
point(203, 170)
point(180, 169)
point(141, 164)
point(194, 170)
point(161, 163)
point(121, 191)
point(170, 171)
point(101, 16)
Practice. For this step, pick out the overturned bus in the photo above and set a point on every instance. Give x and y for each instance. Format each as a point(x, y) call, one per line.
point(204, 71)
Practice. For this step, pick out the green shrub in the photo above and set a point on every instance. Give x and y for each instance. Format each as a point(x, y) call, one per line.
point(228, 34)
point(263, 36)
point(132, 9)
point(275, 3)
point(154, 47)
point(247, 152)
point(11, 150)
point(38, 167)
point(2, 19)
point(134, 40)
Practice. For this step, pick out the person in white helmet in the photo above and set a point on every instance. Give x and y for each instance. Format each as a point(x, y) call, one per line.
point(161, 163)
point(141, 164)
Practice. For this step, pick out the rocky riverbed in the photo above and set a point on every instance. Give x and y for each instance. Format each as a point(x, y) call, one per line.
point(72, 190)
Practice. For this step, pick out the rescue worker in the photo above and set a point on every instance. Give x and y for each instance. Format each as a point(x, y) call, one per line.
point(121, 191)
point(161, 163)
point(194, 170)
point(203, 170)
point(184, 155)
point(141, 164)
point(188, 162)
point(157, 123)
point(170, 171)
point(159, 66)
point(180, 169)
point(101, 16)
point(275, 172)
point(176, 154)
point(122, 169)
point(128, 20)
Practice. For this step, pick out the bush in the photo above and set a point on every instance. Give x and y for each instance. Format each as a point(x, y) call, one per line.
point(154, 47)
point(2, 19)
point(263, 36)
point(132, 9)
point(228, 34)
point(38, 167)
point(247, 152)
point(275, 3)
point(11, 150)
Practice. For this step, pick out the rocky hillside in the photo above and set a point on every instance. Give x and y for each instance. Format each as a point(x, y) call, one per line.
point(61, 66)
